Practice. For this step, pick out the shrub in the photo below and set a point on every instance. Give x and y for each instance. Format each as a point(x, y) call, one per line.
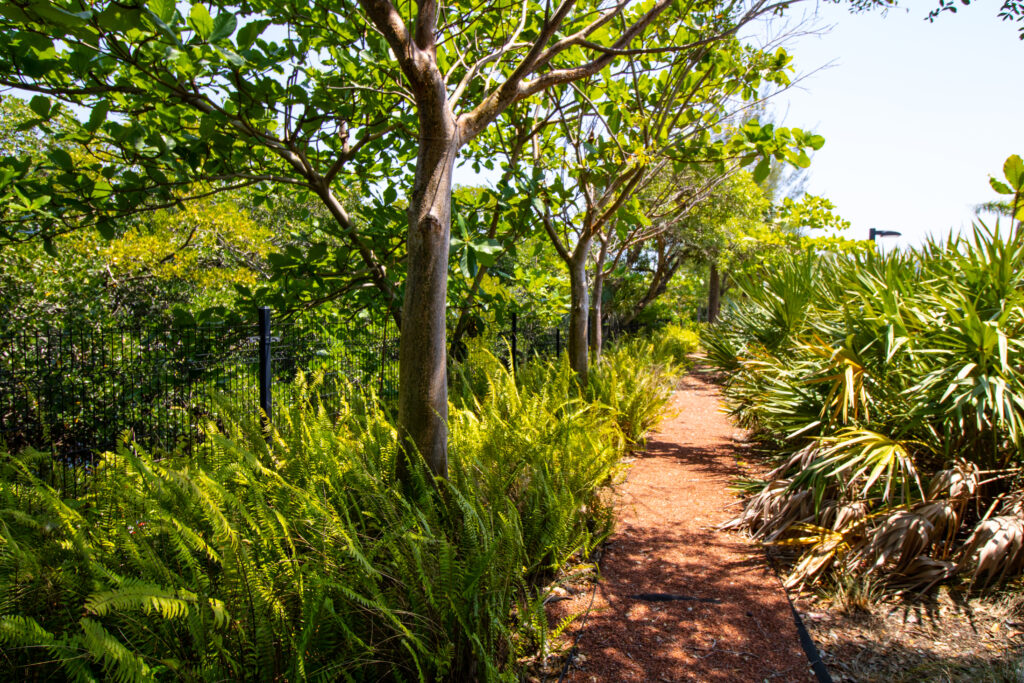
point(675, 344)
point(633, 389)
point(296, 556)
point(871, 375)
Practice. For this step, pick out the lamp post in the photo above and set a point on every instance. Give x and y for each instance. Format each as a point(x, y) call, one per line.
point(873, 233)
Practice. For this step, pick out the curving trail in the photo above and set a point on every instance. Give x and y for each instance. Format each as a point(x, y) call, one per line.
point(733, 622)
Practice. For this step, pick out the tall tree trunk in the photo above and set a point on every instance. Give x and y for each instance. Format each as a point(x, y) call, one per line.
point(423, 380)
point(596, 308)
point(578, 313)
point(714, 293)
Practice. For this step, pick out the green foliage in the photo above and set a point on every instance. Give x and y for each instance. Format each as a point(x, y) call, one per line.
point(870, 374)
point(296, 555)
point(675, 343)
point(633, 380)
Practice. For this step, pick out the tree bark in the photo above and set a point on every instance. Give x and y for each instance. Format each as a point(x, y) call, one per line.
point(666, 269)
point(423, 379)
point(578, 313)
point(714, 293)
point(596, 308)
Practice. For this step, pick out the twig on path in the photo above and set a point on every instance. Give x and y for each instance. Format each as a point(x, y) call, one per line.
point(714, 648)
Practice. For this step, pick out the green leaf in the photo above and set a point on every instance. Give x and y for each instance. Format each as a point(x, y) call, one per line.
point(61, 158)
point(40, 105)
point(236, 60)
point(223, 26)
point(163, 9)
point(201, 21)
point(106, 229)
point(248, 34)
point(390, 195)
point(761, 171)
point(49, 247)
point(98, 116)
point(1013, 169)
point(102, 189)
point(1000, 187)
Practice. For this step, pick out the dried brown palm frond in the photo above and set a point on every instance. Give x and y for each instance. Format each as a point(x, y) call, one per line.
point(799, 460)
point(959, 482)
point(840, 515)
point(921, 574)
point(770, 513)
point(995, 550)
point(825, 548)
point(944, 516)
point(900, 538)
point(1013, 504)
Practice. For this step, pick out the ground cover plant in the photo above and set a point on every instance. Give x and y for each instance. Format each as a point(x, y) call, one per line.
point(890, 388)
point(299, 555)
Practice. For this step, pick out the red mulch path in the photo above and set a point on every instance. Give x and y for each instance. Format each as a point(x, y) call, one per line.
point(665, 542)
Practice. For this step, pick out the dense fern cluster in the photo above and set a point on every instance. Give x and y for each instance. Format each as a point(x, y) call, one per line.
point(298, 556)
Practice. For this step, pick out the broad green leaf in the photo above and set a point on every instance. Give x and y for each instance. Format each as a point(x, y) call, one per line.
point(761, 171)
point(61, 158)
point(223, 26)
point(102, 189)
point(98, 116)
point(201, 21)
point(248, 34)
point(40, 105)
point(106, 229)
point(1013, 169)
point(163, 9)
point(1000, 187)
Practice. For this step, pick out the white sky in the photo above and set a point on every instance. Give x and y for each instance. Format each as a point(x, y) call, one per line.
point(916, 115)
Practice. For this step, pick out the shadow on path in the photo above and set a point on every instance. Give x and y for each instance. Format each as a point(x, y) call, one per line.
point(679, 600)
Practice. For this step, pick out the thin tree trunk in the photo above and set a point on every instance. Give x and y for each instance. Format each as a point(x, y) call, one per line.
point(423, 381)
point(714, 293)
point(596, 308)
point(659, 283)
point(578, 313)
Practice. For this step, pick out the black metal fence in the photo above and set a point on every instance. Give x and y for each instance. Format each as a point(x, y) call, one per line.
point(80, 388)
point(77, 389)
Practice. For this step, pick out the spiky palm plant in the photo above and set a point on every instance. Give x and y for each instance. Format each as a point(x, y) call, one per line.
point(869, 372)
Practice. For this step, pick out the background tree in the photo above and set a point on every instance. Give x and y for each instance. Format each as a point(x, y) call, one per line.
point(331, 99)
point(654, 119)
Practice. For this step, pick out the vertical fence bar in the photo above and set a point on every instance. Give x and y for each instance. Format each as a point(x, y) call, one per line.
point(558, 342)
point(383, 357)
point(266, 400)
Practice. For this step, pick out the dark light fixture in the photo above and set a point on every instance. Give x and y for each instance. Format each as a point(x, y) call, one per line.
point(873, 233)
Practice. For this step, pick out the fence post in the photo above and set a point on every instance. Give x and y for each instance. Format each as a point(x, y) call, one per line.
point(515, 362)
point(383, 359)
point(266, 400)
point(558, 341)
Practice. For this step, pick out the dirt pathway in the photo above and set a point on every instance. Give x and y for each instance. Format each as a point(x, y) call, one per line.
point(734, 622)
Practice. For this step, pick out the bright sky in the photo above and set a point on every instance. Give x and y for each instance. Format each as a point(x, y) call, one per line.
point(916, 115)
